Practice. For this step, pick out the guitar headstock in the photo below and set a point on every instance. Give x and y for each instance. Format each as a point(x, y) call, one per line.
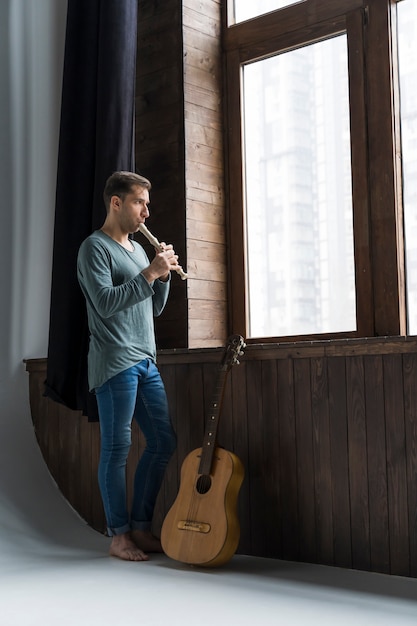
point(234, 348)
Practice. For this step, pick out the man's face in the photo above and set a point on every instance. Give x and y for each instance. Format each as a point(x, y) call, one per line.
point(133, 210)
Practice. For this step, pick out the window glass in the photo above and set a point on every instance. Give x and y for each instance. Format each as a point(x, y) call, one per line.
point(407, 47)
point(247, 9)
point(299, 224)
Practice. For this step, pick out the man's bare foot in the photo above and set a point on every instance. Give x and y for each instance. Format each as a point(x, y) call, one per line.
point(146, 541)
point(125, 548)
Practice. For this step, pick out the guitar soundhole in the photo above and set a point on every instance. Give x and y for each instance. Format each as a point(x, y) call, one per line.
point(203, 484)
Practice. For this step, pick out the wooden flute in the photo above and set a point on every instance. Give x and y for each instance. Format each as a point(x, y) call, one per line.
point(154, 241)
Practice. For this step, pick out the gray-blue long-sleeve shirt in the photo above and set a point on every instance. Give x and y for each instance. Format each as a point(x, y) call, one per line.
point(121, 306)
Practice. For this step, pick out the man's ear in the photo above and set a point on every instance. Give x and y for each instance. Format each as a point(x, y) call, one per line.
point(115, 203)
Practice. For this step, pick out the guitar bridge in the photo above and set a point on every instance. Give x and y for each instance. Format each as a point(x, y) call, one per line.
point(198, 527)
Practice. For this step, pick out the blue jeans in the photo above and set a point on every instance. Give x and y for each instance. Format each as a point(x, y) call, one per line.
point(139, 393)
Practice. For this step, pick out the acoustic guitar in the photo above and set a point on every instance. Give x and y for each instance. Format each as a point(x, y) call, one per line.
point(202, 526)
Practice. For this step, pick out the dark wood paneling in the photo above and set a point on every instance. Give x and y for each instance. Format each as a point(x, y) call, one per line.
point(396, 464)
point(327, 434)
point(358, 465)
point(339, 462)
point(410, 414)
point(322, 460)
point(377, 468)
point(305, 461)
point(288, 459)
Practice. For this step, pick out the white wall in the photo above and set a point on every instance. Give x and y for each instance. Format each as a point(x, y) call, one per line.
point(32, 34)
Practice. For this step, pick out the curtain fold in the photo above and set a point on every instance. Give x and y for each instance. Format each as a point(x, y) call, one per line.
point(96, 139)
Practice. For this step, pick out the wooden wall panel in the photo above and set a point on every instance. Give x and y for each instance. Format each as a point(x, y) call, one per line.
point(396, 464)
point(204, 173)
point(339, 461)
point(358, 465)
point(377, 469)
point(288, 459)
point(322, 460)
point(326, 431)
point(179, 147)
point(410, 415)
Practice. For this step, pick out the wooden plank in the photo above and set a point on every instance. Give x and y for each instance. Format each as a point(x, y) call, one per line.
point(204, 135)
point(259, 509)
point(207, 8)
point(307, 529)
point(206, 310)
point(396, 466)
point(269, 426)
point(358, 475)
point(203, 250)
point(203, 53)
point(197, 77)
point(240, 416)
point(410, 416)
point(210, 212)
point(202, 22)
point(339, 463)
point(69, 451)
point(322, 460)
point(209, 199)
point(203, 115)
point(377, 464)
point(200, 175)
point(205, 231)
point(203, 155)
point(207, 270)
point(206, 290)
point(288, 461)
point(151, 139)
point(200, 95)
point(154, 46)
point(54, 460)
point(206, 330)
point(152, 14)
point(186, 423)
point(197, 400)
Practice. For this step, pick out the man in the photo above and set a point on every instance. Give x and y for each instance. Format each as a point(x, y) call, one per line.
point(123, 292)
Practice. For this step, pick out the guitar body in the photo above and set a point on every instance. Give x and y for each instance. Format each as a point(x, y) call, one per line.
point(202, 527)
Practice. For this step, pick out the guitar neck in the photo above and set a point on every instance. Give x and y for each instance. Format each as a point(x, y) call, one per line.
point(210, 436)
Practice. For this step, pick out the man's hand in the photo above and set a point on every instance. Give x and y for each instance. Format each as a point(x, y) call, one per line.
point(164, 262)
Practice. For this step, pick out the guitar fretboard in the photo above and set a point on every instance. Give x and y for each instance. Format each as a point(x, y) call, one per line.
point(210, 437)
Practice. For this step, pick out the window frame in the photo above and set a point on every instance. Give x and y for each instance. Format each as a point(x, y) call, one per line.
point(376, 171)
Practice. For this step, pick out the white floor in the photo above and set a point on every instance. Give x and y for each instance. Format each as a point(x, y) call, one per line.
point(54, 570)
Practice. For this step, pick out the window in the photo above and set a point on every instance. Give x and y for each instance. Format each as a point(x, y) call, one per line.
point(316, 229)
point(297, 164)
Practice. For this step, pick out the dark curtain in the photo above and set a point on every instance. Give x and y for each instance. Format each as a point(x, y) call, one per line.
point(96, 139)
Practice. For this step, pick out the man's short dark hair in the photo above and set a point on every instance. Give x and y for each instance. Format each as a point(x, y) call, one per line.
point(121, 183)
